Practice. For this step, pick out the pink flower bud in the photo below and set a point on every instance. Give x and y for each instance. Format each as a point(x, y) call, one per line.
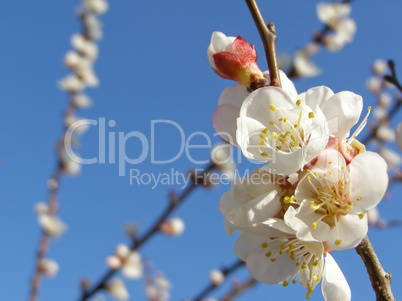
point(235, 59)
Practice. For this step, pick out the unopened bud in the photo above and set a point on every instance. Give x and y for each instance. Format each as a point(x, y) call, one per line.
point(379, 67)
point(216, 277)
point(113, 262)
point(122, 251)
point(174, 227)
point(48, 267)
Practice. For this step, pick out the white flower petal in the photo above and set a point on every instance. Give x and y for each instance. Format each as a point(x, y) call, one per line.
point(252, 239)
point(316, 96)
point(350, 230)
point(224, 120)
point(369, 180)
point(334, 285)
point(234, 95)
point(264, 270)
point(342, 111)
point(287, 84)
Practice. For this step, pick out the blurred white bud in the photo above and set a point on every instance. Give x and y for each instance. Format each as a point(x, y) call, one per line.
point(131, 229)
point(379, 67)
point(70, 166)
point(96, 6)
point(72, 59)
point(372, 216)
point(398, 135)
point(385, 133)
point(343, 34)
point(329, 13)
point(71, 83)
point(382, 223)
point(113, 262)
point(174, 226)
point(221, 155)
point(84, 46)
point(117, 289)
point(380, 113)
point(216, 277)
point(52, 183)
point(94, 26)
point(122, 251)
point(157, 288)
point(88, 76)
point(374, 84)
point(48, 267)
point(51, 225)
point(41, 208)
point(81, 101)
point(392, 158)
point(303, 66)
point(132, 267)
point(384, 99)
point(79, 125)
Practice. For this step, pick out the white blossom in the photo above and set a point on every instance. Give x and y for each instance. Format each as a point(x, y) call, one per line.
point(384, 99)
point(274, 255)
point(96, 6)
point(81, 101)
point(117, 289)
point(157, 288)
point(330, 13)
point(52, 225)
point(374, 84)
point(71, 83)
point(392, 158)
point(385, 133)
point(132, 267)
point(88, 48)
point(304, 66)
point(334, 198)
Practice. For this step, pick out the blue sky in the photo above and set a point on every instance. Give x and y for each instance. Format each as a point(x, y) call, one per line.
point(153, 66)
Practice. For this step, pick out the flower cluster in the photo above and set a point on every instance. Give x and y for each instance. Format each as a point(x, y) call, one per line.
point(313, 194)
point(81, 62)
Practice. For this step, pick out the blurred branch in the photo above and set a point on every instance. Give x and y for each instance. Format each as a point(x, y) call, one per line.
point(226, 272)
point(174, 202)
point(397, 105)
point(269, 38)
point(239, 289)
point(380, 280)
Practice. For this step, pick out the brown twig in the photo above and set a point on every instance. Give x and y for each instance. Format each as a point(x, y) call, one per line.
point(269, 38)
point(380, 280)
point(174, 202)
point(226, 272)
point(239, 289)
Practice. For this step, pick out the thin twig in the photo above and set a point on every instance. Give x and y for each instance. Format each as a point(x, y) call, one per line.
point(174, 202)
point(239, 289)
point(269, 38)
point(380, 280)
point(226, 272)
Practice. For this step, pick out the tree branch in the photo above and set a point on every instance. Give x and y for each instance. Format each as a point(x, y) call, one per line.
point(269, 38)
point(239, 289)
point(174, 202)
point(226, 272)
point(380, 280)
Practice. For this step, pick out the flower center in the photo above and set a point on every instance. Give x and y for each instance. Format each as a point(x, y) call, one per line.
point(287, 133)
